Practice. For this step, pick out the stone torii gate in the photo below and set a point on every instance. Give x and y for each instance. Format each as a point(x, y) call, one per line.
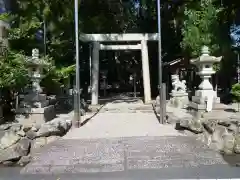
point(141, 44)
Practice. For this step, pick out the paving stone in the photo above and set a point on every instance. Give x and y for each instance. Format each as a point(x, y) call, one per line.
point(116, 139)
point(120, 154)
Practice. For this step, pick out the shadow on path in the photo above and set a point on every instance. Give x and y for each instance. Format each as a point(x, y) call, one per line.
point(88, 119)
point(232, 160)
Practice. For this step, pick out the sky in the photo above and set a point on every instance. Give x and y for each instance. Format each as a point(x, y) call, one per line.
point(235, 35)
point(2, 6)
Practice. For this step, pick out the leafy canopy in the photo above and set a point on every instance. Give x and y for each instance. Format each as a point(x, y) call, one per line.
point(13, 72)
point(200, 27)
point(236, 92)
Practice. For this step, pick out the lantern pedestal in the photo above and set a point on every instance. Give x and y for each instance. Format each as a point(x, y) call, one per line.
point(179, 100)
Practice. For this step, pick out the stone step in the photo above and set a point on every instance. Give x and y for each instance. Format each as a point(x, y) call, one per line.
point(121, 108)
point(121, 154)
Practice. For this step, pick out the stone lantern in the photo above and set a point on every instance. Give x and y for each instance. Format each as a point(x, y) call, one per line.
point(35, 104)
point(205, 96)
point(35, 71)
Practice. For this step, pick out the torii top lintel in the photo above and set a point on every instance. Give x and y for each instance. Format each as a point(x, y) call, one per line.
point(118, 37)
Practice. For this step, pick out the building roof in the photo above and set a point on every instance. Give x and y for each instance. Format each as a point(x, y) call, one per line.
point(175, 61)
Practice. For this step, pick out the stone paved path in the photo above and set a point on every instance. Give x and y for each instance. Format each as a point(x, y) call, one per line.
point(109, 125)
point(122, 142)
point(121, 119)
point(121, 155)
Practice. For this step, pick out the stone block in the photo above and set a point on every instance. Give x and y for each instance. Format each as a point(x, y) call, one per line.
point(49, 113)
point(27, 107)
point(21, 96)
point(20, 118)
point(228, 143)
point(210, 125)
point(202, 107)
point(179, 101)
point(237, 144)
point(35, 97)
point(41, 104)
point(9, 139)
point(196, 106)
point(23, 110)
point(178, 94)
point(42, 115)
point(38, 115)
point(198, 100)
point(16, 127)
point(52, 99)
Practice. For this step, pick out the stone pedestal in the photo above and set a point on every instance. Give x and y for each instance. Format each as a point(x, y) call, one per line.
point(35, 109)
point(179, 99)
point(199, 102)
point(35, 115)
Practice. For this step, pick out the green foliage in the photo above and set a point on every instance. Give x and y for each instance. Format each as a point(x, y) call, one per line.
point(193, 23)
point(236, 92)
point(13, 73)
point(5, 16)
point(58, 15)
point(57, 77)
point(216, 67)
point(200, 27)
point(62, 73)
point(65, 72)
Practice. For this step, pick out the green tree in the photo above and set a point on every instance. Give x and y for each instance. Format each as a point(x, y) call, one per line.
point(28, 18)
point(236, 93)
point(13, 72)
point(201, 27)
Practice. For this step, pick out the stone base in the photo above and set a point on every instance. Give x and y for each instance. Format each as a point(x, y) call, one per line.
point(197, 109)
point(179, 100)
point(26, 107)
point(38, 115)
point(34, 97)
point(200, 100)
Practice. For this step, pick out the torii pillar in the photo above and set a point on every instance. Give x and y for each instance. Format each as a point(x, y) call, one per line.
point(95, 72)
point(145, 71)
